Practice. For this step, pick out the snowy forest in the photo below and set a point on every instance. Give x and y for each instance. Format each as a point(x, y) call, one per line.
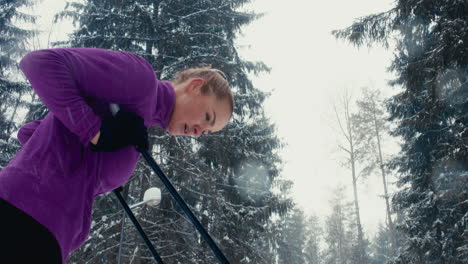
point(233, 180)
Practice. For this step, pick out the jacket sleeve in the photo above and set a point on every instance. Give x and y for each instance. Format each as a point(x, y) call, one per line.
point(64, 78)
point(26, 131)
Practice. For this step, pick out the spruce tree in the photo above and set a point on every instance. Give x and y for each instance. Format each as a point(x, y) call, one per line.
point(13, 44)
point(314, 235)
point(226, 178)
point(292, 241)
point(430, 112)
point(338, 237)
point(382, 246)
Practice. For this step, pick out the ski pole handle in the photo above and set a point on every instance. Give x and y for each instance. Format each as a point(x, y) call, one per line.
point(114, 108)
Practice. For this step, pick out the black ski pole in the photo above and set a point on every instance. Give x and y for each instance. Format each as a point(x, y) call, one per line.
point(152, 163)
point(137, 225)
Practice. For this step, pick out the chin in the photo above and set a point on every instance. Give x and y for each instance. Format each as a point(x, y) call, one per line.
point(173, 133)
point(171, 130)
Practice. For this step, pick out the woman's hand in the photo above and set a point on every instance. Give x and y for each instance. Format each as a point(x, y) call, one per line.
point(96, 138)
point(119, 131)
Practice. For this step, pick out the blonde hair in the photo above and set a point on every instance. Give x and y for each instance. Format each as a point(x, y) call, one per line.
point(215, 82)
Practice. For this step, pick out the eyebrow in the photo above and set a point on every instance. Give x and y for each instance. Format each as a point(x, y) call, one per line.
point(214, 119)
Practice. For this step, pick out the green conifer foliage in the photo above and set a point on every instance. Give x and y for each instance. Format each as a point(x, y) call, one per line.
point(431, 66)
point(231, 180)
point(13, 41)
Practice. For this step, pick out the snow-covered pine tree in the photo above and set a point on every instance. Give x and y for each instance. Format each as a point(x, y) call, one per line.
point(227, 178)
point(382, 246)
point(12, 46)
point(431, 62)
point(337, 234)
point(314, 235)
point(250, 189)
point(292, 235)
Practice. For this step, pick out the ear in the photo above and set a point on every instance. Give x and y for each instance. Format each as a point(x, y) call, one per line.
point(195, 85)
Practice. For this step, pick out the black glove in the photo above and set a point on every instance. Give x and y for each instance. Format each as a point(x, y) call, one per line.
point(123, 129)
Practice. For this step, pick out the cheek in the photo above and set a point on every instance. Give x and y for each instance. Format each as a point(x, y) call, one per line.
point(191, 113)
point(179, 118)
point(188, 113)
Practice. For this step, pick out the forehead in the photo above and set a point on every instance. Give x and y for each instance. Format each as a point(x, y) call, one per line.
point(222, 110)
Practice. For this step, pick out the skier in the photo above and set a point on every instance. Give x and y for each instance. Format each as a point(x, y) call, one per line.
point(81, 150)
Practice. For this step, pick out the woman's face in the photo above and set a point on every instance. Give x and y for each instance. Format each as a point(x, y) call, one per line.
point(195, 113)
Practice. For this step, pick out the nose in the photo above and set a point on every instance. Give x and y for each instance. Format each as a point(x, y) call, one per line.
point(197, 131)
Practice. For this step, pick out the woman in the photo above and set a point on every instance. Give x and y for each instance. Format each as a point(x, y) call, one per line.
point(80, 150)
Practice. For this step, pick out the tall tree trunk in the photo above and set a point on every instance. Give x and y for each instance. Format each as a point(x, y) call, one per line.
point(358, 215)
point(347, 130)
point(384, 181)
point(356, 200)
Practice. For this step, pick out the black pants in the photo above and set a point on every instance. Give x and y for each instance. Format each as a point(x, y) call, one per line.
point(24, 240)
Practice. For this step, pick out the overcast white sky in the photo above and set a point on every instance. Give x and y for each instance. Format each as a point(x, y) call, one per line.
point(309, 67)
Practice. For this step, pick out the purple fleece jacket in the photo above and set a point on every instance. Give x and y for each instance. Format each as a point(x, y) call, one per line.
point(55, 176)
